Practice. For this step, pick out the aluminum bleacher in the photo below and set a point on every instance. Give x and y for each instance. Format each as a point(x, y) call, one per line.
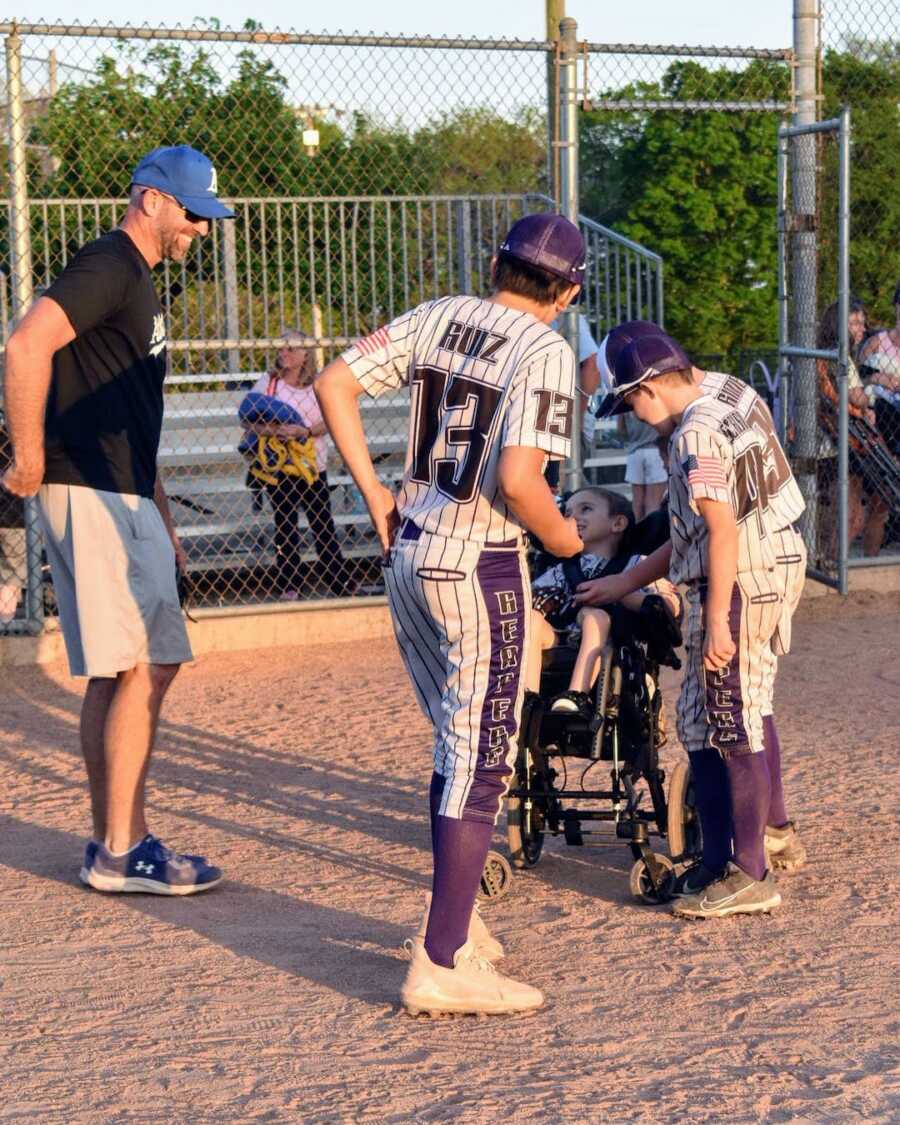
point(205, 476)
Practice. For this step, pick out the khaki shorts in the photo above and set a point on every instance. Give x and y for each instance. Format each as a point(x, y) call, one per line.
point(645, 466)
point(113, 570)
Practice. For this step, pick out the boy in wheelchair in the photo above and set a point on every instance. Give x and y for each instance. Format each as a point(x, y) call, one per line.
point(605, 522)
point(593, 694)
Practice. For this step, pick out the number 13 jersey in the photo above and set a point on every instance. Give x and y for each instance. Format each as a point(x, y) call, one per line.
point(481, 377)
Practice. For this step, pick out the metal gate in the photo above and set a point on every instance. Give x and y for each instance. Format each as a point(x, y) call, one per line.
point(843, 461)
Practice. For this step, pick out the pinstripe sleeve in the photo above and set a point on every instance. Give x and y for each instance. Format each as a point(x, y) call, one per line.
point(380, 361)
point(541, 405)
point(706, 460)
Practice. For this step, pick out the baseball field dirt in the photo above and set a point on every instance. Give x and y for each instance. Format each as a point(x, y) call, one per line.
point(274, 997)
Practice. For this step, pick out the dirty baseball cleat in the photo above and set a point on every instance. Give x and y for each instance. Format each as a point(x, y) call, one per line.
point(734, 892)
point(784, 848)
point(150, 867)
point(472, 987)
point(479, 935)
point(694, 880)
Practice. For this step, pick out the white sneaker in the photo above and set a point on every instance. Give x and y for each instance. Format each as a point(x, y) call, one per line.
point(472, 987)
point(486, 946)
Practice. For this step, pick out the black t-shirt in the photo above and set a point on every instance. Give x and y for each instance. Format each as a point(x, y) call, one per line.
point(105, 407)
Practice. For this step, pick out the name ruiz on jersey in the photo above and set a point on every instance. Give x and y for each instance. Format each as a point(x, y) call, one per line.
point(471, 341)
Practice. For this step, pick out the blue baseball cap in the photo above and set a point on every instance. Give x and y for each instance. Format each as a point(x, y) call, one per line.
point(550, 242)
point(185, 174)
point(629, 355)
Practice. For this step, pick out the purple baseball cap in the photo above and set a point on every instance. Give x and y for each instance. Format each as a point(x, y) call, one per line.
point(632, 353)
point(185, 174)
point(550, 242)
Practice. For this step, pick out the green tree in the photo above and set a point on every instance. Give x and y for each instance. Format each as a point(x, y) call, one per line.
point(867, 79)
point(699, 189)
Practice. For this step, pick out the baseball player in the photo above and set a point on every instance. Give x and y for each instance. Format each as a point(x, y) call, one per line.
point(491, 387)
point(732, 503)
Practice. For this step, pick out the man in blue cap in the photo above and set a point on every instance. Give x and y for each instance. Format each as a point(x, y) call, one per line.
point(492, 397)
point(84, 404)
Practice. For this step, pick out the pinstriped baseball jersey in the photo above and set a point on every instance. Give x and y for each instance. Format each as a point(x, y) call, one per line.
point(481, 376)
point(716, 453)
point(785, 497)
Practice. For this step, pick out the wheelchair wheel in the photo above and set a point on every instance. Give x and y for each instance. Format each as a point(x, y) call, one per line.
point(642, 885)
point(526, 842)
point(496, 878)
point(683, 822)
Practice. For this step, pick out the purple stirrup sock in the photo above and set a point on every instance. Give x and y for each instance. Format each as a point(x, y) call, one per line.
point(778, 816)
point(751, 793)
point(712, 797)
point(461, 847)
point(435, 792)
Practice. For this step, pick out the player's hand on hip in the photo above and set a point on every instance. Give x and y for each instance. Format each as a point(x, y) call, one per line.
point(601, 591)
point(23, 480)
point(385, 518)
point(718, 645)
point(568, 542)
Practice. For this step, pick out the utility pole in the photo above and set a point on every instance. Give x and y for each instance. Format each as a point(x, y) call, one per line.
point(555, 11)
point(804, 258)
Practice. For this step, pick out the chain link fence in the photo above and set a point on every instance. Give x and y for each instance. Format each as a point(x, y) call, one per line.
point(368, 174)
point(860, 68)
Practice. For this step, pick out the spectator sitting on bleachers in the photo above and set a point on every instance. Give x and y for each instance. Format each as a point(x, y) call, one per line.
point(868, 512)
point(879, 366)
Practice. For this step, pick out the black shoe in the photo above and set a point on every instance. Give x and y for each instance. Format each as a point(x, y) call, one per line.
point(573, 703)
point(694, 880)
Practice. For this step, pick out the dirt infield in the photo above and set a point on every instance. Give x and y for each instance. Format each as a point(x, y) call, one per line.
point(273, 998)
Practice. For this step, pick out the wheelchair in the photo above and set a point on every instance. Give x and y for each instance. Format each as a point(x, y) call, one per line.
point(623, 734)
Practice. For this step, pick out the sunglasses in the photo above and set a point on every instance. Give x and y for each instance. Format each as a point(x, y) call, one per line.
point(191, 216)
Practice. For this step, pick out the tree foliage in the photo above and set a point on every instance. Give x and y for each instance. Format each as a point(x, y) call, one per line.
point(868, 80)
point(696, 187)
point(699, 189)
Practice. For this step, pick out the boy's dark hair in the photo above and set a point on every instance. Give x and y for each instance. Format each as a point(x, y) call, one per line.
point(616, 505)
point(512, 275)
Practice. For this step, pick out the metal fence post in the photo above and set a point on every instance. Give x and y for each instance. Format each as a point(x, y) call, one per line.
point(556, 10)
point(228, 250)
point(19, 231)
point(568, 202)
point(463, 246)
point(784, 363)
point(805, 259)
point(22, 290)
point(843, 348)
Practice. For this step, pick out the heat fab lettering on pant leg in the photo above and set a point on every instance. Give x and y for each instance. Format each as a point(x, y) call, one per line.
point(501, 705)
point(723, 706)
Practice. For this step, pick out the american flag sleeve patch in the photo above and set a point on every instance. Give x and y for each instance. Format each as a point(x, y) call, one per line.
point(374, 342)
point(705, 471)
point(380, 361)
